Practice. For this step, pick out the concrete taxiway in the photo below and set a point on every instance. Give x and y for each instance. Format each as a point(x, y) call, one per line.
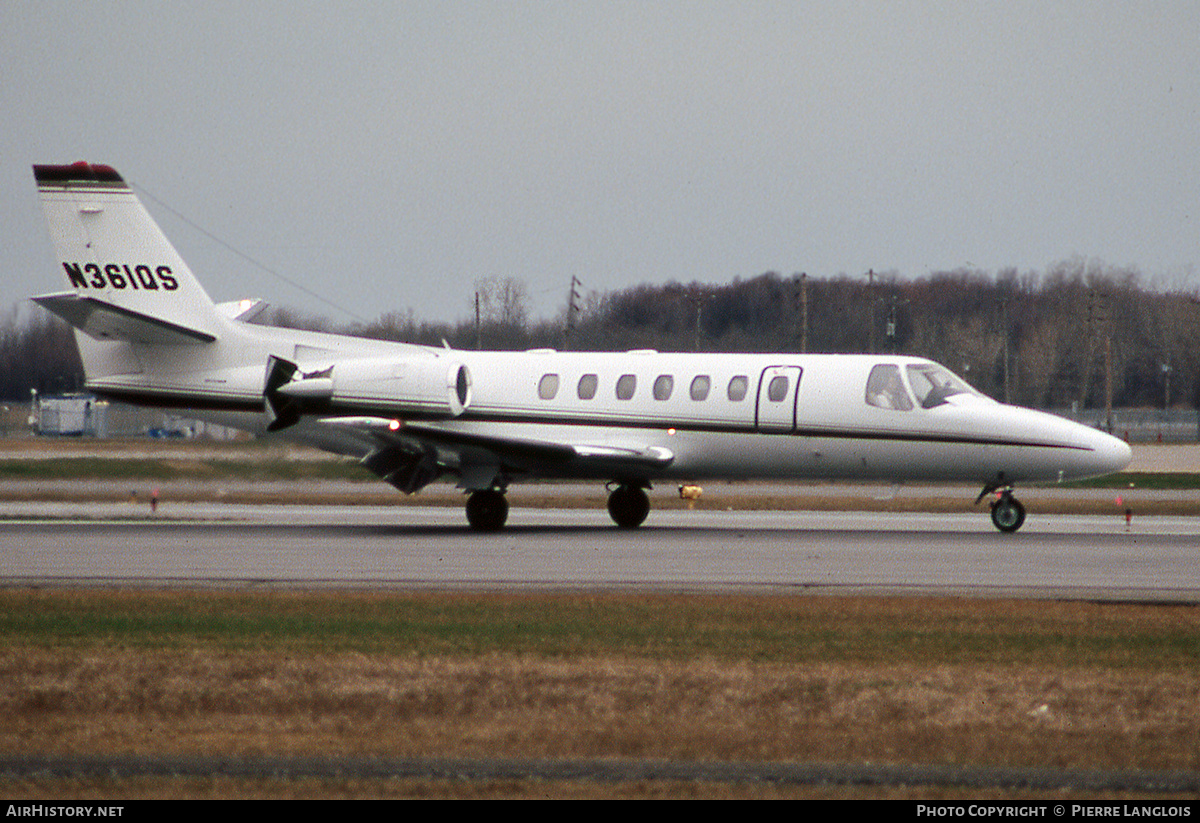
point(198, 544)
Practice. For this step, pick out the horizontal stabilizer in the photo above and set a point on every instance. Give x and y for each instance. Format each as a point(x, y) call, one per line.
point(243, 310)
point(104, 321)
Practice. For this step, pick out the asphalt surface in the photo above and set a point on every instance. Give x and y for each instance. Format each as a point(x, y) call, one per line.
point(193, 544)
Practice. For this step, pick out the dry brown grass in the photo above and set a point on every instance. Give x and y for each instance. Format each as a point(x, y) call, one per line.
point(98, 701)
point(1017, 684)
point(232, 788)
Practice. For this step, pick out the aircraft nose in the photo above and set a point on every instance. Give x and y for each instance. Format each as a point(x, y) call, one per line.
point(1108, 454)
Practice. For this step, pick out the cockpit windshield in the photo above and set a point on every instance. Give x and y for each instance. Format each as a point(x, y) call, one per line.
point(932, 384)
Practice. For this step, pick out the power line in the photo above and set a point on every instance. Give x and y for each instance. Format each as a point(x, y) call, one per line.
point(247, 257)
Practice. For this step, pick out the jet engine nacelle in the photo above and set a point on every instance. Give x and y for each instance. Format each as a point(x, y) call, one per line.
point(416, 386)
point(422, 387)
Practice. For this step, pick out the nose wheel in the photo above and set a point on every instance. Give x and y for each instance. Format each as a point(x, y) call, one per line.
point(1007, 512)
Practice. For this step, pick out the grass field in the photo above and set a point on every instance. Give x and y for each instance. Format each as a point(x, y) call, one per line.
point(804, 679)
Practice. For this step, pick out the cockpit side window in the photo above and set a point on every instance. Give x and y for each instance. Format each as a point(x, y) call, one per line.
point(885, 390)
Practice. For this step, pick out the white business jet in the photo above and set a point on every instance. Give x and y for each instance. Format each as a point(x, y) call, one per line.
point(149, 334)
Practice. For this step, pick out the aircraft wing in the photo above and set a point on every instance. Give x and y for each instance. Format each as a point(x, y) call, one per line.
point(410, 455)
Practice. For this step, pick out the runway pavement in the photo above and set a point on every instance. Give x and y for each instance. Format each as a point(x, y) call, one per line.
point(195, 544)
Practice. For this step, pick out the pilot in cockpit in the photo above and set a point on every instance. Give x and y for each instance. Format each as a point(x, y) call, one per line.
point(885, 390)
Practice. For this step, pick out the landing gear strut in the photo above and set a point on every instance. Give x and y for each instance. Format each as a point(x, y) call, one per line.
point(1007, 512)
point(628, 506)
point(487, 509)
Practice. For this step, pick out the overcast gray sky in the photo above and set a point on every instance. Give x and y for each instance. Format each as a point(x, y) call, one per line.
point(388, 155)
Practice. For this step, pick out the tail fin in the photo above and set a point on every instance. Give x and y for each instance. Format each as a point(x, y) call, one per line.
point(128, 282)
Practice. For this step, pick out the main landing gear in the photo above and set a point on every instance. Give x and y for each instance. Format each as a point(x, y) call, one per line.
point(628, 506)
point(487, 509)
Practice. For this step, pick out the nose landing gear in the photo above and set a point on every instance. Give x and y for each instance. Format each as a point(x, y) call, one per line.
point(1007, 512)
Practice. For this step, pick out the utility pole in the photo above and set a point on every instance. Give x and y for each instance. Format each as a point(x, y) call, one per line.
point(572, 306)
point(1108, 382)
point(1166, 369)
point(1099, 316)
point(1166, 415)
point(871, 307)
point(802, 295)
point(1004, 321)
point(698, 297)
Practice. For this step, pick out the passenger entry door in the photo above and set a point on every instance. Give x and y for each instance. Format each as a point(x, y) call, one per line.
point(778, 391)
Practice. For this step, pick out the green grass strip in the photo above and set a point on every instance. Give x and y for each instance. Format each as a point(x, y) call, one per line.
point(800, 630)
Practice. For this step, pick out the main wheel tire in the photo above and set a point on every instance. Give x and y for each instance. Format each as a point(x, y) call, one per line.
point(487, 510)
point(628, 506)
point(1008, 514)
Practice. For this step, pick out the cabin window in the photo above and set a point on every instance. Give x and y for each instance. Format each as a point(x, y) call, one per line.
point(737, 388)
point(700, 386)
point(777, 389)
point(462, 385)
point(664, 384)
point(932, 384)
point(548, 386)
point(587, 387)
point(626, 386)
point(885, 390)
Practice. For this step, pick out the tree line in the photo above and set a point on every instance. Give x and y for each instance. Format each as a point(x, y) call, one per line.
point(37, 352)
point(1069, 336)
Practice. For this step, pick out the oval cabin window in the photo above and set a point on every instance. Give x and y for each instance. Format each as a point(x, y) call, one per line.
point(587, 387)
point(777, 389)
point(737, 388)
point(548, 386)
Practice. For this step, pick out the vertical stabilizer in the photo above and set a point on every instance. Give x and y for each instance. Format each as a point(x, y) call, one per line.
point(127, 281)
